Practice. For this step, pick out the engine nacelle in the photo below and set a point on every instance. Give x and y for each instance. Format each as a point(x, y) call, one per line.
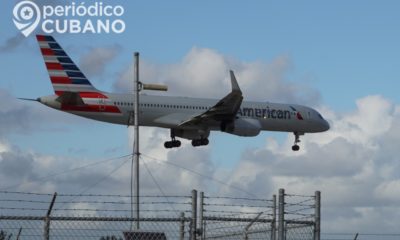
point(245, 127)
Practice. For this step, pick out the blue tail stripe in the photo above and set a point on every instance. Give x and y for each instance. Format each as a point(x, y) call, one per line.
point(80, 81)
point(75, 74)
point(55, 46)
point(60, 53)
point(65, 60)
point(69, 67)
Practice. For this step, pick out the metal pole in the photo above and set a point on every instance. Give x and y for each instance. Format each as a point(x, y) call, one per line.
point(317, 228)
point(193, 229)
point(201, 205)
point(281, 216)
point(182, 228)
point(136, 153)
point(273, 223)
point(47, 218)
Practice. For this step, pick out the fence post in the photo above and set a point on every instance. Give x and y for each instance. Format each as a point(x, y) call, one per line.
point(182, 228)
point(317, 227)
point(201, 206)
point(193, 226)
point(273, 223)
point(46, 233)
point(281, 216)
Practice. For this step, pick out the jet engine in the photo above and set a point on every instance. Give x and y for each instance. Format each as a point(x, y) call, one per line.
point(245, 127)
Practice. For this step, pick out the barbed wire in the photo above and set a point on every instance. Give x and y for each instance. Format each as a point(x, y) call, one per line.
point(299, 203)
point(26, 193)
point(234, 213)
point(239, 198)
point(233, 205)
point(299, 195)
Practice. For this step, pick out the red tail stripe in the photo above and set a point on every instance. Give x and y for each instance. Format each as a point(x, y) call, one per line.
point(47, 51)
point(86, 94)
point(40, 38)
point(91, 108)
point(60, 80)
point(92, 95)
point(54, 66)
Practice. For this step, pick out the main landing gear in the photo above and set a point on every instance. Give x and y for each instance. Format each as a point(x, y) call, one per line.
point(200, 142)
point(296, 147)
point(173, 143)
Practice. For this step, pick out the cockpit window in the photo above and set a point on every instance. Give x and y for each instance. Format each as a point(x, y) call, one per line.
point(319, 115)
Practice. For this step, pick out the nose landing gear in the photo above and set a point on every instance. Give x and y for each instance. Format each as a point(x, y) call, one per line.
point(296, 147)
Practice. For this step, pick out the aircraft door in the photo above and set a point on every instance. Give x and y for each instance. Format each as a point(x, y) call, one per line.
point(102, 103)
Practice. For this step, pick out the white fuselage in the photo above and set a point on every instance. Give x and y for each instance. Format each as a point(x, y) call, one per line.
point(169, 112)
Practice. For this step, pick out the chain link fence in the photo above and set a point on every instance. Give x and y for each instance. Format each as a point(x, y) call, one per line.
point(196, 216)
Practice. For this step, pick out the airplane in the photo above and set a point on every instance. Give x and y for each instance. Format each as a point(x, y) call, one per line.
point(186, 117)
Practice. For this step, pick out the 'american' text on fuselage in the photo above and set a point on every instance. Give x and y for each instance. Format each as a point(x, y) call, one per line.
point(264, 113)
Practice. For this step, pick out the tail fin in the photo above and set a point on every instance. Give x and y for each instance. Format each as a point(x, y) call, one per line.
point(65, 76)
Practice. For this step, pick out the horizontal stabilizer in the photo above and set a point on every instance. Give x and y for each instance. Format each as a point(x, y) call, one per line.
point(70, 98)
point(29, 99)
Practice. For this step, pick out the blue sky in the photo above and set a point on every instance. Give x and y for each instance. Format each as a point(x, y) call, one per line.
point(334, 54)
point(340, 49)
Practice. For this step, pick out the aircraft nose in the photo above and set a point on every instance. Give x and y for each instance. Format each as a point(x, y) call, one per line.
point(325, 126)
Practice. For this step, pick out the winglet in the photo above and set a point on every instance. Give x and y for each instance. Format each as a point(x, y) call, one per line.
point(235, 85)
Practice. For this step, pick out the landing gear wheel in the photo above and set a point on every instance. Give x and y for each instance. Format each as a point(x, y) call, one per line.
point(204, 141)
point(176, 143)
point(200, 142)
point(295, 148)
point(195, 143)
point(168, 144)
point(172, 144)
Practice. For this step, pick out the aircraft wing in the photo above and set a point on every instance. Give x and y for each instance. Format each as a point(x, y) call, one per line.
point(225, 110)
point(173, 119)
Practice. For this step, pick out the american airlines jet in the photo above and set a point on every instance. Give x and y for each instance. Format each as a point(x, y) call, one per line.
point(189, 118)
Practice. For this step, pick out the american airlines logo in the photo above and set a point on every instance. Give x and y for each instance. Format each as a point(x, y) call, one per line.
point(269, 113)
point(94, 17)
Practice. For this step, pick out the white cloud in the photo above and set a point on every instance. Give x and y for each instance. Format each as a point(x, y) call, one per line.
point(204, 72)
point(355, 165)
point(94, 62)
point(24, 117)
